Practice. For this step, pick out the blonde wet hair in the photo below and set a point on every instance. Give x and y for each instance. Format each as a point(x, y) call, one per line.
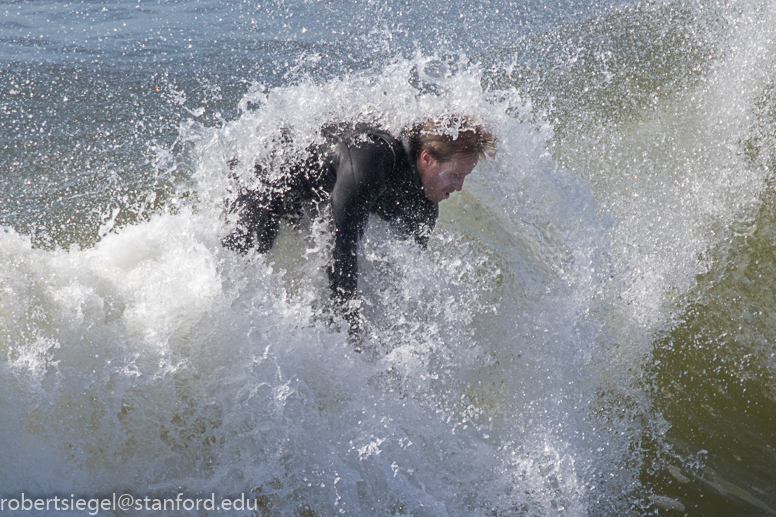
point(447, 136)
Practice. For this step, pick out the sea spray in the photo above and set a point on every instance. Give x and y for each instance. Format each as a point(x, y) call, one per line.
point(506, 370)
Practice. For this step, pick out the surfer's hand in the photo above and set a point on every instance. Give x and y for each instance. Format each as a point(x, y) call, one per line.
point(355, 340)
point(350, 311)
point(352, 315)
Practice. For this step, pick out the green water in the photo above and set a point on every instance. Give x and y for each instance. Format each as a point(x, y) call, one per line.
point(713, 378)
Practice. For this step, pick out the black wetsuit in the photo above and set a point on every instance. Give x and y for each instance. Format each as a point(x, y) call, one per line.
point(366, 172)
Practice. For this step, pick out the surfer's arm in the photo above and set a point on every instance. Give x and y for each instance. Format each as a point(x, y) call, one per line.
point(361, 180)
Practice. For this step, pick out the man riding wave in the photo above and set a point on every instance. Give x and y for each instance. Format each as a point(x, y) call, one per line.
point(364, 171)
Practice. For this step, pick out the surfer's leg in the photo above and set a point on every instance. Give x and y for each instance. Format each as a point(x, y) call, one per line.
point(258, 224)
point(304, 186)
point(260, 211)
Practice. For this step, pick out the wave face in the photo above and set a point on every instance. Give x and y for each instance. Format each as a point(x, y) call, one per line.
point(588, 333)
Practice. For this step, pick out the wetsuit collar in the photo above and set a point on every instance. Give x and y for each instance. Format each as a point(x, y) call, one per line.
point(405, 143)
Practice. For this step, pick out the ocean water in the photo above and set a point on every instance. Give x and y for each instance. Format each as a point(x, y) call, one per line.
point(592, 330)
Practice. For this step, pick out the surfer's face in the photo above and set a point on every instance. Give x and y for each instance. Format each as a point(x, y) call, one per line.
point(440, 179)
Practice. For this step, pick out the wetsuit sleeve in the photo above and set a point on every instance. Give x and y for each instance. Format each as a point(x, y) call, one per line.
point(361, 180)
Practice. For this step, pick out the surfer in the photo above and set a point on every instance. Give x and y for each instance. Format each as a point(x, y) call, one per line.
point(364, 171)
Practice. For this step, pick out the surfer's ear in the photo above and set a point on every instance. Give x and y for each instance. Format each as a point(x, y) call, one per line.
point(426, 159)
